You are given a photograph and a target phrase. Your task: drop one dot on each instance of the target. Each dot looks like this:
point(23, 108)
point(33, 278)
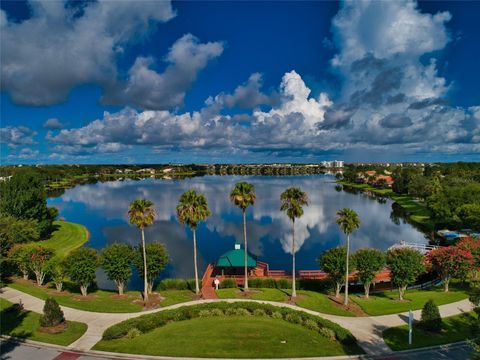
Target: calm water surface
point(102, 208)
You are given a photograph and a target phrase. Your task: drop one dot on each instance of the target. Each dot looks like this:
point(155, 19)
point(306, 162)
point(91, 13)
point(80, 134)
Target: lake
point(102, 208)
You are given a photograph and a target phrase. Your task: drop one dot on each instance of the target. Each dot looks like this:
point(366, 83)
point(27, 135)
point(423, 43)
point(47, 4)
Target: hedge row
point(146, 323)
point(302, 284)
point(176, 284)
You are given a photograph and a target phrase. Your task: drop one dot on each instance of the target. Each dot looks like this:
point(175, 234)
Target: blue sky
point(151, 81)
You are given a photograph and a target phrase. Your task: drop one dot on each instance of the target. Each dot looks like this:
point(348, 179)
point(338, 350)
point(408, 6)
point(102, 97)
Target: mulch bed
point(54, 329)
point(352, 307)
point(84, 298)
point(154, 300)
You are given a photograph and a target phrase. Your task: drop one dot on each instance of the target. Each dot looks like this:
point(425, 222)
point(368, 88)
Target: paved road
point(368, 330)
point(15, 351)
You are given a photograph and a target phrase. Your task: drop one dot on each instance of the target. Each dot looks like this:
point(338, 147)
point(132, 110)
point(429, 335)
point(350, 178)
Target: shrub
point(228, 284)
point(231, 311)
point(52, 314)
point(242, 312)
point(259, 312)
point(255, 283)
point(216, 312)
point(431, 319)
point(293, 318)
point(327, 333)
point(277, 315)
point(133, 333)
point(284, 284)
point(204, 313)
point(311, 324)
point(269, 283)
point(173, 284)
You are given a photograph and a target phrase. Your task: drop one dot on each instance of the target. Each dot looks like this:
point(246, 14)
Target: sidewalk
point(367, 330)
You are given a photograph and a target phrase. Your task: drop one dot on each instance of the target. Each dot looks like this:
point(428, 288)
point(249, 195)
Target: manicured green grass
point(25, 325)
point(387, 302)
point(228, 337)
point(98, 300)
point(455, 328)
point(417, 211)
point(68, 237)
point(176, 296)
point(307, 299)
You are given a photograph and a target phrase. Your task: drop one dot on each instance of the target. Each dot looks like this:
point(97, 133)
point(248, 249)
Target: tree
point(473, 246)
point(348, 221)
point(57, 270)
point(117, 260)
point(14, 231)
point(368, 262)
point(333, 262)
point(431, 319)
point(20, 255)
point(243, 195)
point(39, 257)
point(52, 314)
point(157, 260)
point(292, 200)
point(81, 266)
point(142, 213)
point(450, 261)
point(191, 209)
point(469, 215)
point(405, 264)
point(23, 197)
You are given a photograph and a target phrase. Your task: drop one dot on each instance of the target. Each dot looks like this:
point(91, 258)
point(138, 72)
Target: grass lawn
point(387, 302)
point(68, 237)
point(417, 212)
point(228, 337)
point(26, 324)
point(99, 300)
point(455, 328)
point(307, 299)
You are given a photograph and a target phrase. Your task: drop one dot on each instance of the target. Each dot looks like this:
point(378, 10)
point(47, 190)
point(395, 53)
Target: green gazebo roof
point(235, 258)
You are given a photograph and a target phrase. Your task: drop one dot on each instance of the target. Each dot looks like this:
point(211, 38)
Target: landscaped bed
point(387, 302)
point(100, 300)
point(238, 330)
point(25, 324)
point(454, 328)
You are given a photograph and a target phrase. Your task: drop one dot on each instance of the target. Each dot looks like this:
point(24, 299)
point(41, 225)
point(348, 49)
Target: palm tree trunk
point(145, 280)
point(197, 288)
point(345, 302)
point(294, 287)
point(245, 248)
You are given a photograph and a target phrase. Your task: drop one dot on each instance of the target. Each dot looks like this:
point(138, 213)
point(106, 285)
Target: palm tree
point(191, 209)
point(348, 221)
point(292, 201)
point(243, 195)
point(141, 213)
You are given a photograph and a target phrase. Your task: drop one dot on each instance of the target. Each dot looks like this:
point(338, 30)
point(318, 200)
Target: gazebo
point(233, 262)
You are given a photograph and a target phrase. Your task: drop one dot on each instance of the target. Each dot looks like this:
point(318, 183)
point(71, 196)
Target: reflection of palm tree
point(191, 209)
point(348, 221)
point(141, 213)
point(292, 201)
point(243, 195)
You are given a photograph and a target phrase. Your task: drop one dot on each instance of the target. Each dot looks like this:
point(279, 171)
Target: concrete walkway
point(367, 330)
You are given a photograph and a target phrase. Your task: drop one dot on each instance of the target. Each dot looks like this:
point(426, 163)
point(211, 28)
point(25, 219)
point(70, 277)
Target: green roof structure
point(235, 258)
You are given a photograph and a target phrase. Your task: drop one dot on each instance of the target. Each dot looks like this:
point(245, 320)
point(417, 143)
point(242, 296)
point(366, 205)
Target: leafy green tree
point(469, 215)
point(14, 231)
point(431, 319)
point(52, 314)
point(243, 195)
point(405, 265)
point(19, 254)
point(81, 266)
point(368, 262)
point(348, 221)
point(57, 270)
point(142, 213)
point(23, 197)
point(450, 262)
point(116, 260)
point(38, 264)
point(293, 199)
point(191, 209)
point(333, 262)
point(157, 260)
